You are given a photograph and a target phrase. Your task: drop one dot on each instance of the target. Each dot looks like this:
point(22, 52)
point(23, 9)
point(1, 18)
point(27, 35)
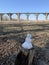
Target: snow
point(27, 44)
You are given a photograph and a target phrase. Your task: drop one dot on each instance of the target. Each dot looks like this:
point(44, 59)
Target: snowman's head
point(29, 36)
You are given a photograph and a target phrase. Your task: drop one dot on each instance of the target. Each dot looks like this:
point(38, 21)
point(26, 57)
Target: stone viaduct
point(19, 15)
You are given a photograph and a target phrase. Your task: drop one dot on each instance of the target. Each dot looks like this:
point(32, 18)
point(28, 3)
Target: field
point(13, 35)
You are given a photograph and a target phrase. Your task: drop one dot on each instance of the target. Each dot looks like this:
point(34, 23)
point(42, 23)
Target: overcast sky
point(24, 6)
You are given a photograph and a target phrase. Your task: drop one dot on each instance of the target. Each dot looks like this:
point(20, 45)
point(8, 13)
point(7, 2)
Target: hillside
point(13, 35)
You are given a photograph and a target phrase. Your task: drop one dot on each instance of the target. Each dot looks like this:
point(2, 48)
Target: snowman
point(27, 44)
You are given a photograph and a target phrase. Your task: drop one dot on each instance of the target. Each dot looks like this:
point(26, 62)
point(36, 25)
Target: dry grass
point(13, 34)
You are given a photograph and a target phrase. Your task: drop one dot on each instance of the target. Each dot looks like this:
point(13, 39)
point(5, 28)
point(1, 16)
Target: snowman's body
point(27, 44)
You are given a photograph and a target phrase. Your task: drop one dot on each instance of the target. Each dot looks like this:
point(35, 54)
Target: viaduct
point(19, 16)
